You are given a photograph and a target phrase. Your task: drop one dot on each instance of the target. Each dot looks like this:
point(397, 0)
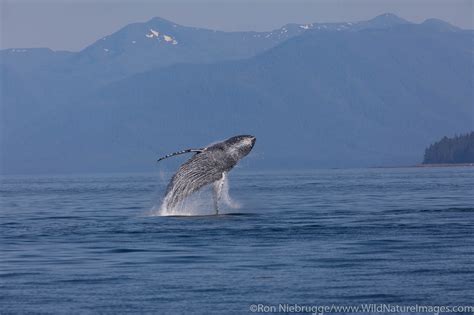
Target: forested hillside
point(459, 149)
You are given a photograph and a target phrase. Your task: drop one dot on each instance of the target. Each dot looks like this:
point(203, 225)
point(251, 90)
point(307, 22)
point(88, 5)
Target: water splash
point(198, 203)
point(225, 197)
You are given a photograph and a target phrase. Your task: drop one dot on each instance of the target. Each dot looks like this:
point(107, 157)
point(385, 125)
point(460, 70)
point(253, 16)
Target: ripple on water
point(86, 244)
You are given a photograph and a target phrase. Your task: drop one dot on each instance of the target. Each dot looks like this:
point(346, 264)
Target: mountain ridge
point(376, 95)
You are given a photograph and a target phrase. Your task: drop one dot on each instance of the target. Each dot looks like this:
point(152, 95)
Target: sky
point(74, 24)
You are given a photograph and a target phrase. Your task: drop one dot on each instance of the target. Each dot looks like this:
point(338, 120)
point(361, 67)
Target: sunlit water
point(82, 244)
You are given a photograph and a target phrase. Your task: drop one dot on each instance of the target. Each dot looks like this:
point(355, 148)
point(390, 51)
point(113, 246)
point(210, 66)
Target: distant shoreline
point(429, 165)
point(444, 165)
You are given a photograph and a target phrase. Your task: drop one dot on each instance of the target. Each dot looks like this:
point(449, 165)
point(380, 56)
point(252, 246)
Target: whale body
point(208, 165)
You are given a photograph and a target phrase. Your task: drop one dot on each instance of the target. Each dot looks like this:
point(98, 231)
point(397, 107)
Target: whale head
point(240, 146)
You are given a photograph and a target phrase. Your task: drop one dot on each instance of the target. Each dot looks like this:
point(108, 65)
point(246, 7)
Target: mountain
point(56, 77)
point(40, 86)
point(369, 93)
point(440, 25)
point(158, 42)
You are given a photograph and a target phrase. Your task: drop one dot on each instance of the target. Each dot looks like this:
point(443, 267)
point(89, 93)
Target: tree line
point(458, 149)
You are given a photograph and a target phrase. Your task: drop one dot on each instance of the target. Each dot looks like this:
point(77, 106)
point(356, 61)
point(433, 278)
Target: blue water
point(86, 244)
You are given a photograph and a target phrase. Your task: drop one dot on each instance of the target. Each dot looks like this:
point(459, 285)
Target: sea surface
point(88, 243)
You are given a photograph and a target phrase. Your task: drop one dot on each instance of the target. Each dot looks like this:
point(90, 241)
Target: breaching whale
point(209, 165)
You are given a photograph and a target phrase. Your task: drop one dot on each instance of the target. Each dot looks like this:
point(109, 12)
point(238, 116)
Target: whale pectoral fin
point(217, 191)
point(180, 152)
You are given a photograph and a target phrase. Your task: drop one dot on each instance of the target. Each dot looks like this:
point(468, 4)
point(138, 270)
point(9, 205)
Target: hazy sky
point(74, 24)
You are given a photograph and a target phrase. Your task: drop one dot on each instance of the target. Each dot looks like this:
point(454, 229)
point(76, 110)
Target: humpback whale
point(209, 165)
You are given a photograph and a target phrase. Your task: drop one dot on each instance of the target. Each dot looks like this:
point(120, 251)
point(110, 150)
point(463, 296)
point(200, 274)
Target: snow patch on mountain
point(170, 39)
point(153, 34)
point(156, 34)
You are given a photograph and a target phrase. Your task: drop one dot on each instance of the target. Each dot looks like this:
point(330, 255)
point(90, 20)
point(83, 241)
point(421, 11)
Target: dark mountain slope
point(323, 99)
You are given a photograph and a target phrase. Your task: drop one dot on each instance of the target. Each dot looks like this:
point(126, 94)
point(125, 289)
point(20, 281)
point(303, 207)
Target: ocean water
point(88, 244)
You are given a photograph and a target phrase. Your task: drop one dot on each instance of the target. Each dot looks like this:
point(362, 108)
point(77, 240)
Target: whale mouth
point(253, 139)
